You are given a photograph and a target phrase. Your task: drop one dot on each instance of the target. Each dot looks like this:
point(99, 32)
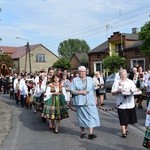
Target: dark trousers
point(22, 100)
point(16, 98)
point(6, 90)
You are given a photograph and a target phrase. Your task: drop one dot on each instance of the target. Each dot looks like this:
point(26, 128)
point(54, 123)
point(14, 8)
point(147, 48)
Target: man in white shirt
point(15, 87)
point(22, 88)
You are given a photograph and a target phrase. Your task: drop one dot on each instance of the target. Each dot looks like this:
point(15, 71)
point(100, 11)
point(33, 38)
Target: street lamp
point(27, 51)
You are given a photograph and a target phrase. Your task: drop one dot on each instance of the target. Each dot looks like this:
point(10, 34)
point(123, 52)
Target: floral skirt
point(55, 108)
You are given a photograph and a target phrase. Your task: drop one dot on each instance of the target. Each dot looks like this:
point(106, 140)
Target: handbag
point(146, 141)
point(102, 90)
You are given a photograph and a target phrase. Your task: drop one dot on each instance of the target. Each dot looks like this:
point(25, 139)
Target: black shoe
point(92, 136)
point(102, 104)
point(82, 135)
point(124, 135)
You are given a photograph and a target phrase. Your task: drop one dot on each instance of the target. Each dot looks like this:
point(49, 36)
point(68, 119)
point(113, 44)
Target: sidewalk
point(5, 119)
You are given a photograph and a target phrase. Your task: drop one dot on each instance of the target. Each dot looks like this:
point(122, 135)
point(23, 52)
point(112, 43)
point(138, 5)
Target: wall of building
point(95, 57)
point(75, 63)
point(131, 54)
point(37, 66)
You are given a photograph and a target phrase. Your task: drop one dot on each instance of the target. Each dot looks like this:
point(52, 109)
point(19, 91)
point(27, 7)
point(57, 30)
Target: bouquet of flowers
point(128, 91)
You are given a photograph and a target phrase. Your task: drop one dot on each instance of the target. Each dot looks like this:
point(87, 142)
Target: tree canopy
point(113, 63)
point(70, 46)
point(144, 35)
point(62, 63)
point(6, 59)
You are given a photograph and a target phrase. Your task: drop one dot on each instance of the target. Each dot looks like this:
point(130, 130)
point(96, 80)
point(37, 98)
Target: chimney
point(134, 30)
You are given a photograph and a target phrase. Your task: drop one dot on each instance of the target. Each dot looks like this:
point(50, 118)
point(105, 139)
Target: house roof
point(100, 48)
point(6, 49)
point(18, 52)
point(131, 36)
point(80, 56)
point(21, 51)
point(136, 44)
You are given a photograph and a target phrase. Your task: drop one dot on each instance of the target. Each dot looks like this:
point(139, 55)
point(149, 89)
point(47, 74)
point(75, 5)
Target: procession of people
point(49, 94)
point(52, 93)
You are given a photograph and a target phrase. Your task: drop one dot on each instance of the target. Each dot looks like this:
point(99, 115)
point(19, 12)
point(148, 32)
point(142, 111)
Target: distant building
point(126, 45)
point(78, 59)
point(33, 58)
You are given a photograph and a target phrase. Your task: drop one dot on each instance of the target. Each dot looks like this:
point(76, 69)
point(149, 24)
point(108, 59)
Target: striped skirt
point(146, 141)
point(55, 108)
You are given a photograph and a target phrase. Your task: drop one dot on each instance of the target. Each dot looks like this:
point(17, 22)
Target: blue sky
point(50, 22)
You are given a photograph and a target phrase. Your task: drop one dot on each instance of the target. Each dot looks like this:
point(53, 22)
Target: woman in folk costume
point(55, 108)
point(83, 89)
point(39, 93)
point(66, 84)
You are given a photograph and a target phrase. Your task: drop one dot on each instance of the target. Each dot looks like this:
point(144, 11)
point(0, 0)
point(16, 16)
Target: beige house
point(30, 58)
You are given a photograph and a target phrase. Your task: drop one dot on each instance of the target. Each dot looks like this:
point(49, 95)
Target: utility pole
point(27, 53)
point(28, 50)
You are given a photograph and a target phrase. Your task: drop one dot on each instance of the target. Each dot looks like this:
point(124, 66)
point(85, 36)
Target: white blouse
point(124, 102)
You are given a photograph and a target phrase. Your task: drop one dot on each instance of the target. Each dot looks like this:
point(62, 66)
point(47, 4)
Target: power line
point(96, 30)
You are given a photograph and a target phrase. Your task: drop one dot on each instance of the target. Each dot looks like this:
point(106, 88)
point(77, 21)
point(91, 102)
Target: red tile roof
point(17, 52)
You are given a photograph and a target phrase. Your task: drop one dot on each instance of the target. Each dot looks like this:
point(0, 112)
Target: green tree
point(62, 63)
point(70, 46)
point(113, 63)
point(144, 35)
point(7, 60)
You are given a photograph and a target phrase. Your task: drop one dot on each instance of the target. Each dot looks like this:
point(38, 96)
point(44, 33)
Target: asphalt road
point(28, 132)
point(5, 119)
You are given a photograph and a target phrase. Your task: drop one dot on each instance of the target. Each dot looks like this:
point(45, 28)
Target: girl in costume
point(55, 105)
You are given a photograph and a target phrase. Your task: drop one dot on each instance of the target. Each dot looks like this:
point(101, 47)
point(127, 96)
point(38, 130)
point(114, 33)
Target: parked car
point(109, 82)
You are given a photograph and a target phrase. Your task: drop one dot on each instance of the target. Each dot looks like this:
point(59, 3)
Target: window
point(119, 47)
point(98, 66)
point(40, 57)
point(140, 61)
